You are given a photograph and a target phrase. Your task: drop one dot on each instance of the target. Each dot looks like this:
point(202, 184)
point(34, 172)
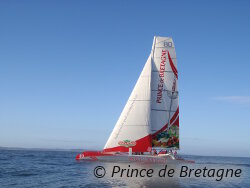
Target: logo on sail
point(127, 143)
point(161, 76)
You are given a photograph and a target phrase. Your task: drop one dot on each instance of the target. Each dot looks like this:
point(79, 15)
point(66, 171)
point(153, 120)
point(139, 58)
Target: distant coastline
point(40, 149)
point(80, 150)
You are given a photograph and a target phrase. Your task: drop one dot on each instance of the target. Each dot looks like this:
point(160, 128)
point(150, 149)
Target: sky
point(67, 69)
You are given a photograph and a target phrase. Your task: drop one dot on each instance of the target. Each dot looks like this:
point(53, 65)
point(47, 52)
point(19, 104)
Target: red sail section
point(142, 145)
point(168, 138)
point(172, 66)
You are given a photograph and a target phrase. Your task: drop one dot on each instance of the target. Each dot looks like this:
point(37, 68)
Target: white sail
point(164, 100)
point(151, 115)
point(133, 126)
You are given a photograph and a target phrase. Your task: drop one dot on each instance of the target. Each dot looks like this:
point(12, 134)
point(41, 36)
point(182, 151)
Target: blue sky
point(68, 67)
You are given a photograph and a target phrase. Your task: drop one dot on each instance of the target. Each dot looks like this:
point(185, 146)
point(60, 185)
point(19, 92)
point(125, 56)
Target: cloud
point(245, 100)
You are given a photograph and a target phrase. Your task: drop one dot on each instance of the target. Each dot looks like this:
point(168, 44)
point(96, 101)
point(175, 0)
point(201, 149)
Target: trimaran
point(150, 118)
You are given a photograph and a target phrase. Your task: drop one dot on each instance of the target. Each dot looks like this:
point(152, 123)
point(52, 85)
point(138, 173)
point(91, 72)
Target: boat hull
point(134, 159)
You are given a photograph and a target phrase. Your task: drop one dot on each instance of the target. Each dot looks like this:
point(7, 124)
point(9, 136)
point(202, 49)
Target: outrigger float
point(150, 118)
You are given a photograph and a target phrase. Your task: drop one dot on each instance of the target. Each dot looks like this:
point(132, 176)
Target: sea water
point(41, 168)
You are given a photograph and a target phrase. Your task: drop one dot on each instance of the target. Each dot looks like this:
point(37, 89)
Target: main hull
point(168, 159)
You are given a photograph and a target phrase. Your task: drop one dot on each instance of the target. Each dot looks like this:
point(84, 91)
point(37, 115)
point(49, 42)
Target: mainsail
point(150, 117)
point(164, 97)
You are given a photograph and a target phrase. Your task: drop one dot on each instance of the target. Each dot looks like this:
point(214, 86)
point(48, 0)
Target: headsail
point(133, 126)
point(165, 99)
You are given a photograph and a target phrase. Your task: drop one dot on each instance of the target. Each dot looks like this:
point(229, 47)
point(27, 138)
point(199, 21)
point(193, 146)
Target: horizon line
point(64, 149)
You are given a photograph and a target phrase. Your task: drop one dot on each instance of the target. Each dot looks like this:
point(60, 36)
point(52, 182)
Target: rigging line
point(169, 125)
point(172, 123)
point(169, 113)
